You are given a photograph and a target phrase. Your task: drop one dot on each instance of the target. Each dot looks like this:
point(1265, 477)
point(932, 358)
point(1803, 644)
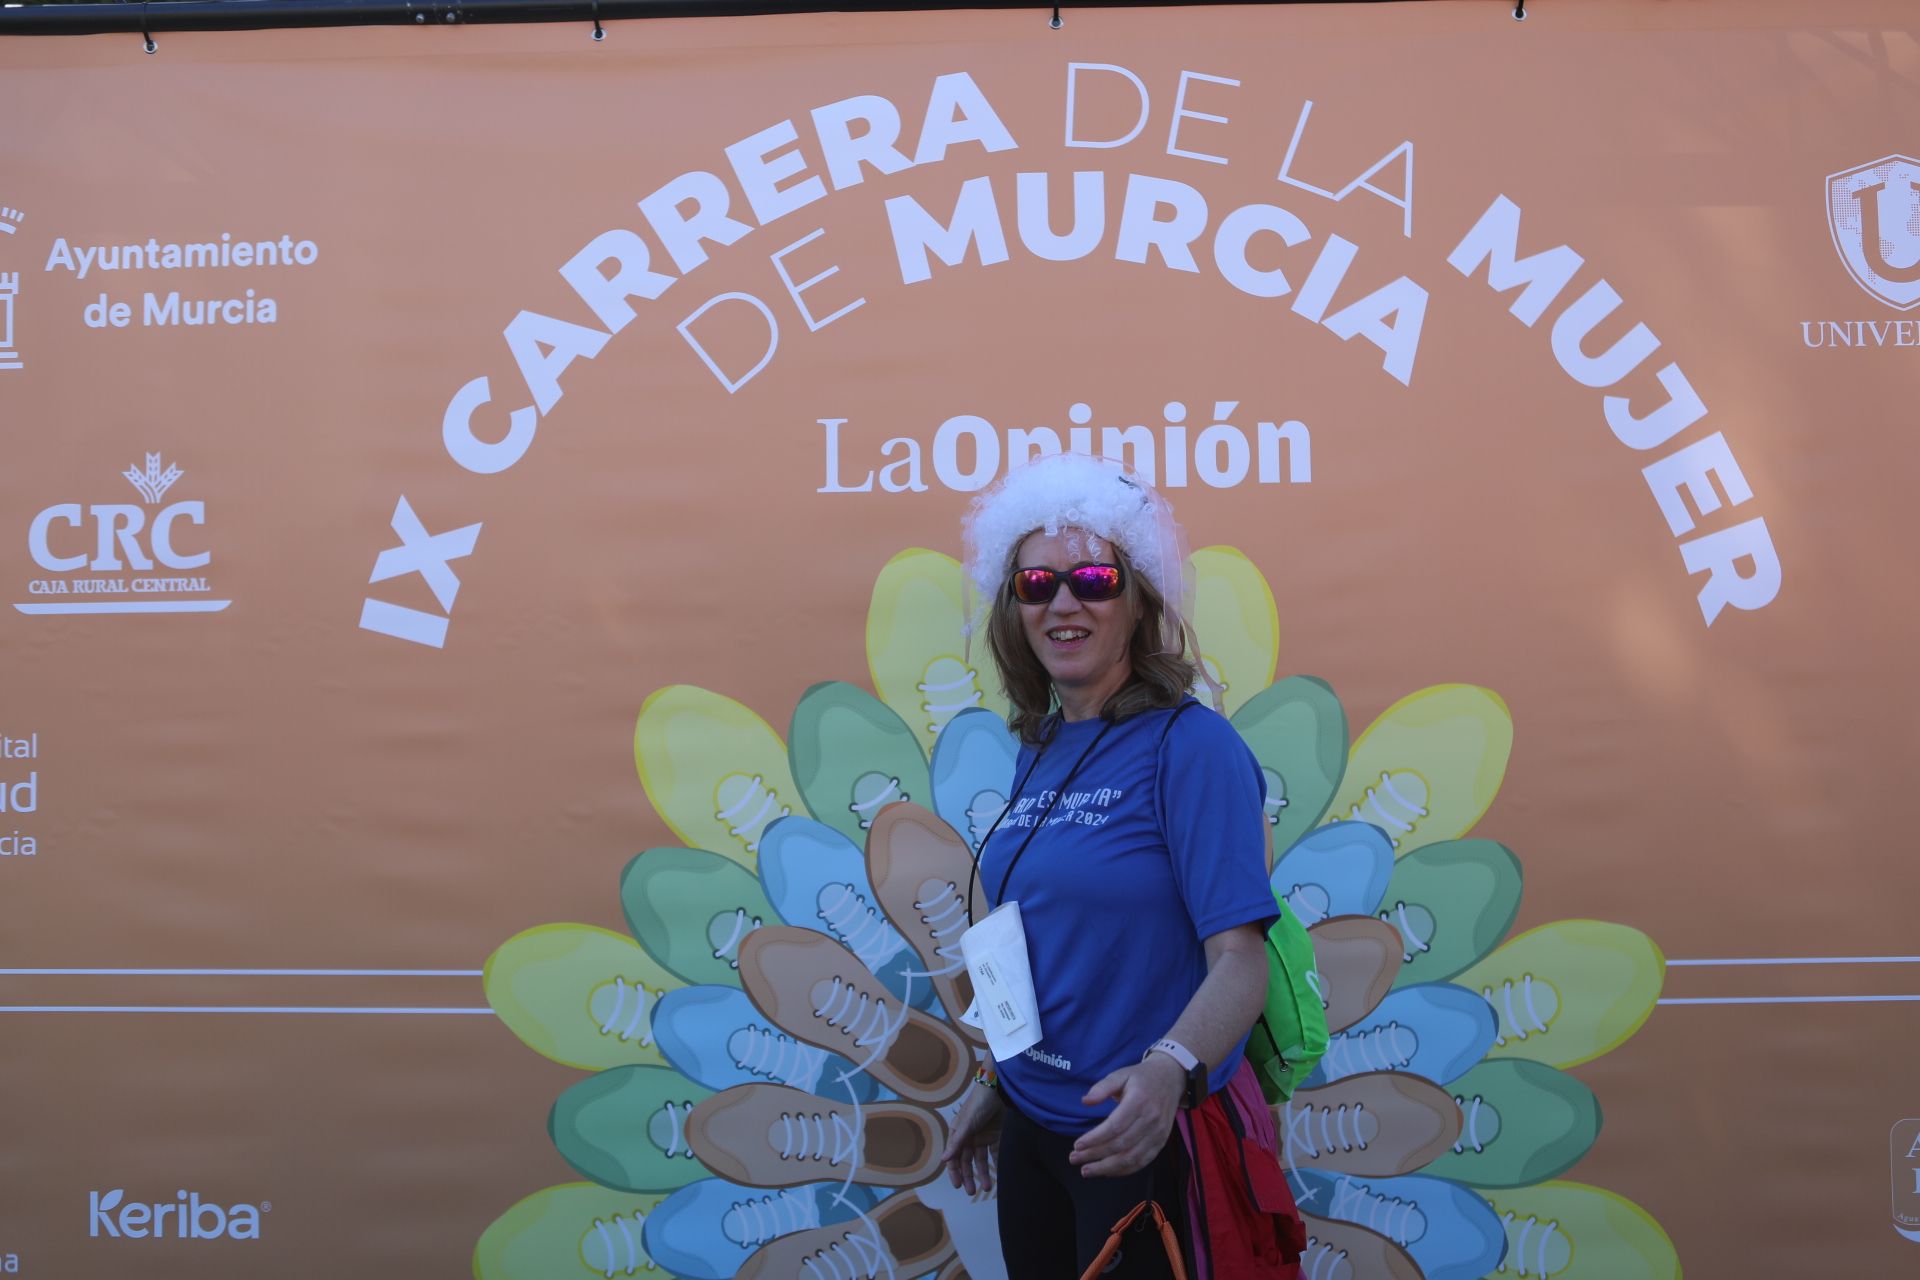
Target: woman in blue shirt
point(1135, 846)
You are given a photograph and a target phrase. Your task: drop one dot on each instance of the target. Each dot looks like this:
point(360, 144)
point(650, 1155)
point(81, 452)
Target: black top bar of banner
point(248, 15)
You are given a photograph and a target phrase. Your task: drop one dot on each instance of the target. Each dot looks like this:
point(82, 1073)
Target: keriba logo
point(186, 1217)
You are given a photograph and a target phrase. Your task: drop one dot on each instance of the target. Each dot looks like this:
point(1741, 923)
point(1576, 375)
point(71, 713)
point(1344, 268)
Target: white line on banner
point(247, 973)
point(1673, 964)
point(129, 606)
point(1787, 999)
point(220, 1008)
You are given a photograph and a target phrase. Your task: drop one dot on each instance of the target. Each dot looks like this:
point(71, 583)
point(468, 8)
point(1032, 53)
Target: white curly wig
point(1078, 491)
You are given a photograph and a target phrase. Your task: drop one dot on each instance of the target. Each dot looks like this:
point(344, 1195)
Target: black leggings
point(1053, 1221)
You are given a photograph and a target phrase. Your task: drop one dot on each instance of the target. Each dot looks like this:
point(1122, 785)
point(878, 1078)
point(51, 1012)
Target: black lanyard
point(1040, 822)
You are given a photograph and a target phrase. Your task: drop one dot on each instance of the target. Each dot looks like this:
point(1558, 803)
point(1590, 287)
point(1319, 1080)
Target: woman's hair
point(1158, 679)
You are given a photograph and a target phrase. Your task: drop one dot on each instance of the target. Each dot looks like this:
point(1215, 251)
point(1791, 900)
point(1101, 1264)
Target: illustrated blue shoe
point(706, 1230)
point(1341, 869)
point(689, 908)
point(817, 878)
point(1436, 1030)
point(716, 1038)
point(1448, 1230)
point(972, 770)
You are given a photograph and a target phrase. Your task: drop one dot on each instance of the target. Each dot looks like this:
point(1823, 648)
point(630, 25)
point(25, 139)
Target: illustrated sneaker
point(972, 772)
point(768, 1136)
point(1380, 1124)
point(708, 1230)
point(1298, 732)
point(1341, 869)
point(714, 770)
point(1521, 1123)
point(1436, 1030)
point(575, 1231)
point(1343, 1251)
point(580, 995)
point(627, 1128)
point(919, 866)
point(1233, 609)
point(817, 878)
point(1429, 766)
point(1448, 1231)
point(1571, 1231)
point(690, 908)
point(1569, 991)
point(852, 755)
point(815, 989)
point(715, 1037)
point(1357, 958)
point(902, 1237)
point(1452, 903)
point(914, 622)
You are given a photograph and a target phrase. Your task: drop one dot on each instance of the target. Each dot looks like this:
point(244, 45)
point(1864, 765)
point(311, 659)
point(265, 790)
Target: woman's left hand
point(1148, 1095)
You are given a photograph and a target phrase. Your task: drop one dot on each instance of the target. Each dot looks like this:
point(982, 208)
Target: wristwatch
point(1196, 1092)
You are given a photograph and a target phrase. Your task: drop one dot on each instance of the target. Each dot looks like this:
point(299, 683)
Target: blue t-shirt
point(1151, 849)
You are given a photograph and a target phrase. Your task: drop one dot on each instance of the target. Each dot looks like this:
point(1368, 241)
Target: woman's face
point(1081, 643)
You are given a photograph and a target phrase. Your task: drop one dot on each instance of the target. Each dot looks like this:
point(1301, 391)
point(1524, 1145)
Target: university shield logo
point(1874, 213)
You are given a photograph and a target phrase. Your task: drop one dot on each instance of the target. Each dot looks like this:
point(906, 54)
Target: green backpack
point(1291, 1034)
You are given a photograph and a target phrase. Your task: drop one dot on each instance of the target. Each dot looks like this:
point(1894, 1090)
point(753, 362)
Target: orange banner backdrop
point(478, 516)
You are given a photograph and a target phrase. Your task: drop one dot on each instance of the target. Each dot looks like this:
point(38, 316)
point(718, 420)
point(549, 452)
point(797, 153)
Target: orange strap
point(1112, 1246)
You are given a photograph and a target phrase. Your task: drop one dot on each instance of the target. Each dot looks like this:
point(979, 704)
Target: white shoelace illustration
point(756, 796)
point(1322, 1261)
point(1412, 941)
point(944, 912)
point(1385, 1048)
point(625, 1007)
point(751, 1223)
point(773, 1056)
point(1371, 809)
point(1399, 1220)
point(1510, 1017)
point(674, 1141)
point(1338, 1128)
point(853, 1012)
point(853, 920)
point(1470, 1124)
point(947, 697)
point(612, 1248)
point(725, 931)
point(1535, 1235)
point(816, 1135)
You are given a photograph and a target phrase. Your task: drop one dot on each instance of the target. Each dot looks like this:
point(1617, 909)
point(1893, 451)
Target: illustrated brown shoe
point(818, 991)
point(1343, 1251)
point(919, 868)
point(767, 1135)
point(1358, 958)
point(900, 1237)
point(1379, 1124)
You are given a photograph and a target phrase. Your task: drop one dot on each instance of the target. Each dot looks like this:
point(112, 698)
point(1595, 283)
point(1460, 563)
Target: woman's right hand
point(971, 1141)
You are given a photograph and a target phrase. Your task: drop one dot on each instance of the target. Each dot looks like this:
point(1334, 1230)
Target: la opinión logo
point(186, 1217)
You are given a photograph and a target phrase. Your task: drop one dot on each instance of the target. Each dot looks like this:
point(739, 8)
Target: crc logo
point(122, 557)
point(186, 1217)
point(118, 528)
point(1873, 212)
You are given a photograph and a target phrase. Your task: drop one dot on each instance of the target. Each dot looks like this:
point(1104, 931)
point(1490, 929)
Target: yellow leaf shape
point(914, 645)
point(1236, 623)
point(715, 771)
point(1429, 766)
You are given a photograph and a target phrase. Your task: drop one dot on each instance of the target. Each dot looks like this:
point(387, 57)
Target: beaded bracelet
point(986, 1076)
